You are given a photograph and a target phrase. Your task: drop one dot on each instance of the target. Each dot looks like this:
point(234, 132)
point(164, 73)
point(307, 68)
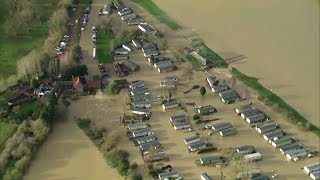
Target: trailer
point(196, 146)
point(257, 118)
point(282, 141)
point(250, 113)
point(267, 127)
point(312, 168)
point(167, 175)
point(178, 118)
point(296, 154)
point(290, 147)
point(205, 176)
point(191, 140)
point(156, 157)
point(135, 126)
point(253, 157)
point(142, 132)
point(221, 126)
point(128, 17)
point(228, 131)
point(244, 108)
point(147, 146)
point(276, 133)
point(182, 125)
point(145, 139)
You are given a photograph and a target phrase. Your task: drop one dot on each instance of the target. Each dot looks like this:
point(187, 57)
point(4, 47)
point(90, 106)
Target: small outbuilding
point(170, 104)
point(196, 146)
point(192, 139)
point(178, 118)
point(246, 149)
point(205, 110)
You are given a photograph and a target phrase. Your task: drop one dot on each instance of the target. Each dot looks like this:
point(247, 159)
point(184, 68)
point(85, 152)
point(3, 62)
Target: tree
point(76, 53)
point(203, 91)
point(34, 82)
point(152, 59)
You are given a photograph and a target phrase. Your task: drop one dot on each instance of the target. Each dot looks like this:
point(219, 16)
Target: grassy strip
point(275, 101)
point(103, 47)
point(211, 56)
point(194, 62)
point(153, 9)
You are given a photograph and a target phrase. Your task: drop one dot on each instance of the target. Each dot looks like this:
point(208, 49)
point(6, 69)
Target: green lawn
point(153, 9)
point(103, 47)
point(14, 49)
point(275, 101)
point(194, 62)
point(6, 131)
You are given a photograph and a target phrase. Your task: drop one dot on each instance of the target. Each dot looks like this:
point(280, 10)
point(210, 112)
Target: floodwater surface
point(280, 40)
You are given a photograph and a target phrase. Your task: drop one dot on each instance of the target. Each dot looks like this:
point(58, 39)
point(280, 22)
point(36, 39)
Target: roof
point(141, 131)
point(206, 109)
point(121, 50)
point(210, 159)
point(220, 126)
point(133, 125)
point(250, 113)
point(141, 110)
point(197, 144)
point(78, 80)
point(205, 176)
point(168, 68)
point(130, 64)
point(192, 138)
point(168, 174)
point(150, 144)
point(178, 117)
point(245, 148)
point(244, 108)
point(210, 80)
point(181, 124)
point(171, 102)
point(146, 138)
point(120, 57)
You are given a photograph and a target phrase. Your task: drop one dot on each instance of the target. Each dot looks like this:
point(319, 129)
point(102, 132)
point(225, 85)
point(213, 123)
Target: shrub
point(203, 91)
point(215, 83)
point(207, 149)
point(198, 121)
point(196, 117)
point(136, 177)
point(119, 160)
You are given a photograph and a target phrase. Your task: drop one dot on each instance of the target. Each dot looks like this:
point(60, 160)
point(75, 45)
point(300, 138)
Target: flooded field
point(69, 154)
point(280, 40)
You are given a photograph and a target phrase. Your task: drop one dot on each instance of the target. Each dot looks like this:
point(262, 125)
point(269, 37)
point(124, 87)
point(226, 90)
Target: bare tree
point(240, 166)
point(29, 64)
point(187, 73)
point(104, 24)
point(232, 82)
point(58, 19)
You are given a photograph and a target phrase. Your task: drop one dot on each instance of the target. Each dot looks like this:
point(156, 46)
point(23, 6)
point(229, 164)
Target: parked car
point(63, 44)
point(94, 29)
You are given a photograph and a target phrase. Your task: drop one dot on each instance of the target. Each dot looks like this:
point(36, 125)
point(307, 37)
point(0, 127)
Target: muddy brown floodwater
point(279, 38)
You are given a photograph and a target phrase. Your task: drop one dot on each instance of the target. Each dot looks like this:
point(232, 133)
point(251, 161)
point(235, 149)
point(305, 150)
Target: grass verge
point(103, 47)
point(275, 101)
point(153, 9)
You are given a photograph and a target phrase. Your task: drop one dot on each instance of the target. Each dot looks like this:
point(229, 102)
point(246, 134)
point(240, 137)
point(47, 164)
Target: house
point(106, 9)
point(246, 149)
point(205, 176)
point(196, 146)
point(257, 118)
point(181, 125)
point(281, 141)
point(205, 110)
point(131, 66)
point(87, 82)
point(170, 104)
point(156, 157)
point(136, 85)
point(141, 112)
point(221, 126)
point(139, 91)
point(167, 68)
point(121, 51)
point(290, 147)
point(211, 160)
point(136, 21)
point(149, 47)
point(158, 58)
point(192, 139)
point(244, 108)
point(135, 126)
point(315, 175)
point(136, 43)
point(228, 131)
point(145, 139)
point(142, 104)
point(211, 80)
point(127, 47)
point(297, 154)
point(250, 113)
point(270, 135)
point(252, 157)
point(178, 118)
point(125, 11)
point(167, 175)
point(142, 132)
point(120, 57)
point(146, 28)
point(153, 144)
point(267, 127)
point(201, 59)
point(128, 17)
point(219, 88)
point(312, 168)
point(150, 53)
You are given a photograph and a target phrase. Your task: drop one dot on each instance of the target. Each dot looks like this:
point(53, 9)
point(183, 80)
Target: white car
point(94, 29)
point(94, 38)
point(63, 44)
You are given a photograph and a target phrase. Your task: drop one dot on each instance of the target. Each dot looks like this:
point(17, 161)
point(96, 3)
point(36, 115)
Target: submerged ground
point(279, 38)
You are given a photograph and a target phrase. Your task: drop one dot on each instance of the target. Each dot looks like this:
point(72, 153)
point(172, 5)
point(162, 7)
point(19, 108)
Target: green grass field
point(103, 47)
point(194, 62)
point(275, 101)
point(6, 131)
point(14, 49)
point(153, 9)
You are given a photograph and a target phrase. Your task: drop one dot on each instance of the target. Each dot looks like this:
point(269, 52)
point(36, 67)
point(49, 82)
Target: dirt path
point(279, 38)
